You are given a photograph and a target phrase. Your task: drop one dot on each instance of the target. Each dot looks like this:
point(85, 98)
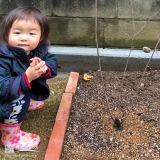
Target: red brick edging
point(55, 144)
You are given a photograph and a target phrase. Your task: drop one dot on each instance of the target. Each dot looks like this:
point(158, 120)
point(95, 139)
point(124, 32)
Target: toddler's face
point(25, 34)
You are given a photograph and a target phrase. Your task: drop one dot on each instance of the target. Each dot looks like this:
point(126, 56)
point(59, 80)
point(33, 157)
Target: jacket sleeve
point(51, 62)
point(39, 88)
point(10, 85)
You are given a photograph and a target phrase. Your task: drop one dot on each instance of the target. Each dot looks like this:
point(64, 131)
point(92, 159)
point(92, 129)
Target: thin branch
point(125, 70)
point(135, 34)
point(133, 16)
point(147, 22)
point(96, 39)
point(125, 32)
point(147, 65)
point(132, 42)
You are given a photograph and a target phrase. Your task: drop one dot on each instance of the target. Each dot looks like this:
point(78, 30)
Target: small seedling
point(118, 124)
point(149, 68)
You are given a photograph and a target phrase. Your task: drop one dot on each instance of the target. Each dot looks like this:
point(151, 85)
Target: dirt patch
point(92, 133)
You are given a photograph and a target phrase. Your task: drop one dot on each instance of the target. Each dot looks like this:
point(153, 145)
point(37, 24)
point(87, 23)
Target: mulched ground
point(115, 121)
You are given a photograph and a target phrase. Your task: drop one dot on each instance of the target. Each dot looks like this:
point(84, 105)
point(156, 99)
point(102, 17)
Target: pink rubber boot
point(35, 105)
point(13, 137)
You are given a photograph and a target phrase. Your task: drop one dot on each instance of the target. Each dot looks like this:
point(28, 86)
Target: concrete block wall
point(73, 21)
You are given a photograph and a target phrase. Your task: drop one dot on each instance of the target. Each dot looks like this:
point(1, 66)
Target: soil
point(114, 119)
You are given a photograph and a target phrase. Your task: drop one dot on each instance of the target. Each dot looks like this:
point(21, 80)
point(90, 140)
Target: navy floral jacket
point(13, 81)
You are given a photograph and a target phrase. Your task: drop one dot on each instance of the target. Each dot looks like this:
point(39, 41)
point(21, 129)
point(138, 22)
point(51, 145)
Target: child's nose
point(23, 37)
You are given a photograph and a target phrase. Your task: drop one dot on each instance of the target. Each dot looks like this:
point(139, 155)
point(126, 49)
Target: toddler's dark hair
point(25, 13)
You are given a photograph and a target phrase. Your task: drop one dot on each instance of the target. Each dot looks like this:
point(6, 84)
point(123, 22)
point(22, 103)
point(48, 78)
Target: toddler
point(25, 65)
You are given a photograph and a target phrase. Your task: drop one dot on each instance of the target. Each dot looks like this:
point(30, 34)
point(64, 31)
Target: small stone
point(146, 49)
point(52, 92)
point(142, 85)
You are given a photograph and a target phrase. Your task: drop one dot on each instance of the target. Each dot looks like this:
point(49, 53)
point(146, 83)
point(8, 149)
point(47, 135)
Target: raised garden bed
point(91, 133)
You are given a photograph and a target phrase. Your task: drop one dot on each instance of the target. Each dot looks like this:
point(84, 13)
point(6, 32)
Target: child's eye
point(32, 34)
point(16, 32)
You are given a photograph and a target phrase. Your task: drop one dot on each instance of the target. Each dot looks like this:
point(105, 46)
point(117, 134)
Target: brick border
point(55, 144)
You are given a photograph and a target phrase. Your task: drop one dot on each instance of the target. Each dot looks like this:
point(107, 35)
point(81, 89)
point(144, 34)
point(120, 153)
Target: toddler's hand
point(38, 62)
point(32, 73)
point(36, 69)
point(34, 61)
point(41, 67)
